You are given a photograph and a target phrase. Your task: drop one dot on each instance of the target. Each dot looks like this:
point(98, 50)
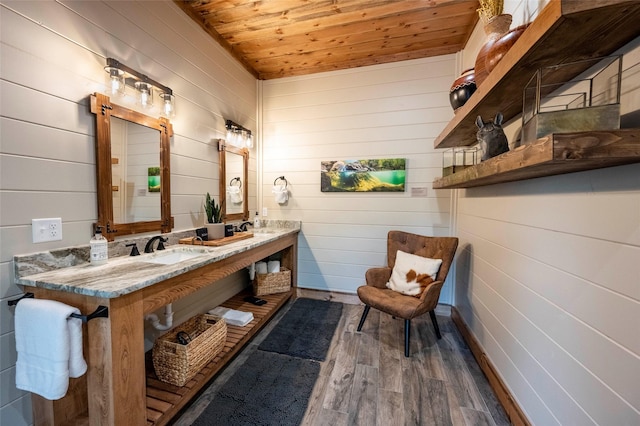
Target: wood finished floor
point(366, 380)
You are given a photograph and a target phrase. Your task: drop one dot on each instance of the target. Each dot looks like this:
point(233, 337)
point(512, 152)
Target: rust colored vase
point(501, 46)
point(462, 89)
point(494, 29)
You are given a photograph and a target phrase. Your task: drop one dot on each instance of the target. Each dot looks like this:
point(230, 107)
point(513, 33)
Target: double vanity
point(120, 387)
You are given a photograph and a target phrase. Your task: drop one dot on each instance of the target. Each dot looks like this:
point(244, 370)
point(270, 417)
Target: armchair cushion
point(411, 273)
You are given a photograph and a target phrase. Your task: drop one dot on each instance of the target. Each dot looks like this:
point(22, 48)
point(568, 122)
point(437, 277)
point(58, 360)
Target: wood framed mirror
point(132, 170)
point(234, 169)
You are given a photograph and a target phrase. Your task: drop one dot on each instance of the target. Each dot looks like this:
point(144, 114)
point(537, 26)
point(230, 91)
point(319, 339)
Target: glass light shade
point(168, 105)
point(249, 141)
point(145, 94)
point(115, 81)
point(235, 138)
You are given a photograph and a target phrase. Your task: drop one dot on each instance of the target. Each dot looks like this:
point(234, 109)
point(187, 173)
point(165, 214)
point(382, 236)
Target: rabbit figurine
point(491, 137)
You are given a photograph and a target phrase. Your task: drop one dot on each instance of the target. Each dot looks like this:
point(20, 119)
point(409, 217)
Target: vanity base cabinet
point(118, 388)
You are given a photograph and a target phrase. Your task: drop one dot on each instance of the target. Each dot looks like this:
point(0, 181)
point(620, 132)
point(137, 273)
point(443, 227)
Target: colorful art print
point(379, 175)
point(154, 179)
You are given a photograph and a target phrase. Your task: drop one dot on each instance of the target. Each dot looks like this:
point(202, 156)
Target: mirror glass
point(233, 182)
point(132, 169)
point(135, 172)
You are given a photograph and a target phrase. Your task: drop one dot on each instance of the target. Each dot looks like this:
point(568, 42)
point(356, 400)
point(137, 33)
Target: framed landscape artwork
point(379, 175)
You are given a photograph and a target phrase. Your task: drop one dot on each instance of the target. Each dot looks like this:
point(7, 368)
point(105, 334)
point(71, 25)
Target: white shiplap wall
point(548, 280)
point(52, 55)
point(385, 111)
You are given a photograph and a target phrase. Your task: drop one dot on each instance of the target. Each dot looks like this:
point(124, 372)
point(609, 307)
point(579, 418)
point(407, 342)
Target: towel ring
point(281, 178)
point(236, 179)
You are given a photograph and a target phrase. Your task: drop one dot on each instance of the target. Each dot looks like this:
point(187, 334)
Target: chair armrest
point(430, 296)
point(378, 277)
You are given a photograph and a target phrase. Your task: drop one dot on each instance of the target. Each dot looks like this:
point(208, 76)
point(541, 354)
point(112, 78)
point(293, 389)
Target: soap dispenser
point(256, 221)
point(99, 248)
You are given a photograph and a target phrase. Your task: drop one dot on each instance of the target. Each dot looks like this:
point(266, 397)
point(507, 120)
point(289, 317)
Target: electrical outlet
point(44, 230)
point(264, 211)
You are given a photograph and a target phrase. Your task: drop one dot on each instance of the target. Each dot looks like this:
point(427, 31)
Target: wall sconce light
point(121, 76)
point(238, 135)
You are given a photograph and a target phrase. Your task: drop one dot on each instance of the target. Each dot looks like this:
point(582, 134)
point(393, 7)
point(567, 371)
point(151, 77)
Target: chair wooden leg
point(407, 328)
point(432, 314)
point(364, 316)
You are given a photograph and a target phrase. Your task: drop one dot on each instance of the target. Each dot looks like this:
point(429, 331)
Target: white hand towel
point(234, 194)
point(281, 193)
point(49, 346)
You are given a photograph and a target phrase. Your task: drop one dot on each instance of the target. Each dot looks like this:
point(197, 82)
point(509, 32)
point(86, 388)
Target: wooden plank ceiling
point(281, 38)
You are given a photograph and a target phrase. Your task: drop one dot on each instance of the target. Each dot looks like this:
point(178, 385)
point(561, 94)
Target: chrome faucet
point(161, 240)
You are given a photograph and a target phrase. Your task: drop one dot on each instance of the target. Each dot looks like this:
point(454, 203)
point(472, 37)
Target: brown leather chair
point(376, 294)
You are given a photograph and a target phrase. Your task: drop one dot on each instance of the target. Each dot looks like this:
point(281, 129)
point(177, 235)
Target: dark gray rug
point(274, 385)
point(268, 389)
point(306, 330)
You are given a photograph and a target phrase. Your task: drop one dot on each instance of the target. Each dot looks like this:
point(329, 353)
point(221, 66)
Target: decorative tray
point(215, 243)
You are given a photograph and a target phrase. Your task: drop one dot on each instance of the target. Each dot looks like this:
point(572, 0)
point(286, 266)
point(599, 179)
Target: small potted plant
point(214, 225)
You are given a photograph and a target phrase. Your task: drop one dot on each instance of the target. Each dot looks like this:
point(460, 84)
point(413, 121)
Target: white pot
point(215, 231)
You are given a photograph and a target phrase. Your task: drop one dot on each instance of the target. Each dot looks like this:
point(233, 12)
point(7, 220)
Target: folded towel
point(49, 346)
point(273, 266)
point(231, 316)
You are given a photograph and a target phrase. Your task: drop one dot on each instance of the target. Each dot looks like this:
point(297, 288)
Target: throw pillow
point(411, 273)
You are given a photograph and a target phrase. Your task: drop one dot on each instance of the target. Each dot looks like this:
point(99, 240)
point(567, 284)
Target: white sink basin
point(173, 256)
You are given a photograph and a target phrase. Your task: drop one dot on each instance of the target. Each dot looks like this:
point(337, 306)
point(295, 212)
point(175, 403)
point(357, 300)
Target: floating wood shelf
point(564, 31)
point(552, 155)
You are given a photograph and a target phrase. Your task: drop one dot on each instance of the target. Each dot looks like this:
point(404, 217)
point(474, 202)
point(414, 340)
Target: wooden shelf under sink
point(164, 400)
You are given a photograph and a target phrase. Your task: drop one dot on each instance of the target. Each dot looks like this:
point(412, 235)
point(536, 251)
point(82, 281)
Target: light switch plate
point(265, 211)
point(44, 230)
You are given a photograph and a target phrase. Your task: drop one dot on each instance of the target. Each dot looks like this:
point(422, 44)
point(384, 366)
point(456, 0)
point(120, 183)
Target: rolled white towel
point(273, 266)
point(261, 268)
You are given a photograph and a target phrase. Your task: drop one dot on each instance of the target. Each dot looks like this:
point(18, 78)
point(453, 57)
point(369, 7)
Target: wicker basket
point(176, 363)
point(277, 282)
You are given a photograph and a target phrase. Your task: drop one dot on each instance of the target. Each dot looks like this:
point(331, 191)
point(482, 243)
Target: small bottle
point(256, 221)
point(99, 248)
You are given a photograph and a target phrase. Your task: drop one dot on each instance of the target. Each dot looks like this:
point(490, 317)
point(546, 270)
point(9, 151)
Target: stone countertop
point(126, 274)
